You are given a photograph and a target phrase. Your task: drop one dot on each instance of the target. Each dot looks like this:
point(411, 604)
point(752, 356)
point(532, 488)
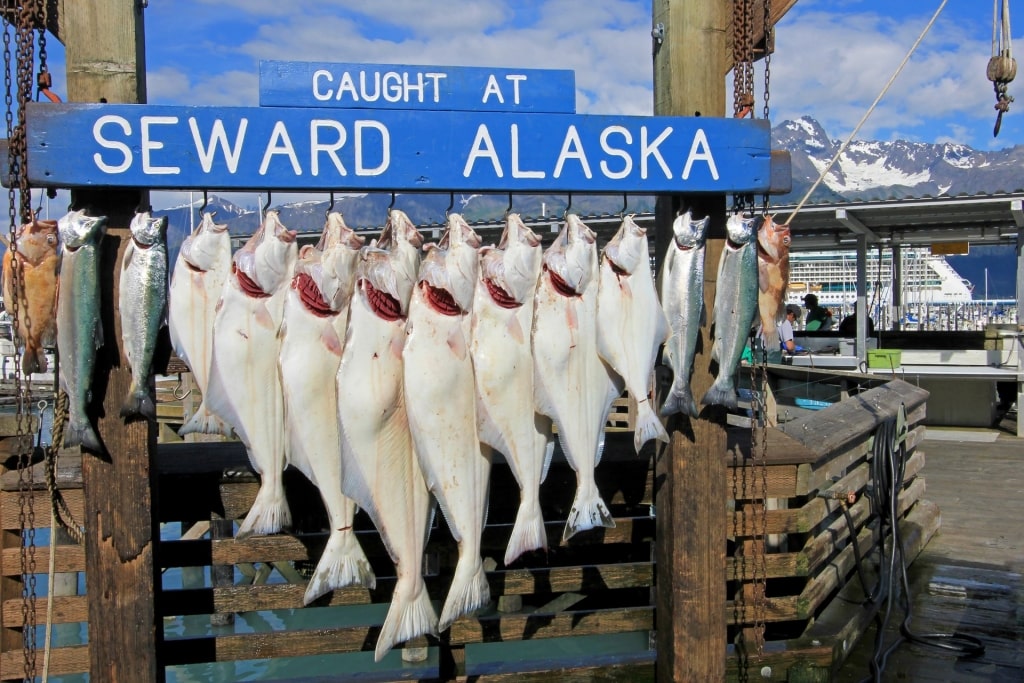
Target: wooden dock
point(968, 578)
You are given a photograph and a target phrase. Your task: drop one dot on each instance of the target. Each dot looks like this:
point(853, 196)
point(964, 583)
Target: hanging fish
point(380, 470)
point(244, 386)
point(37, 258)
point(142, 302)
point(315, 319)
point(202, 266)
point(79, 330)
point(631, 326)
point(772, 277)
point(502, 350)
point(574, 387)
point(682, 298)
point(735, 308)
point(441, 398)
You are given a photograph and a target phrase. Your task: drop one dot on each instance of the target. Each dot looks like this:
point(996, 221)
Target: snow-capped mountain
point(881, 170)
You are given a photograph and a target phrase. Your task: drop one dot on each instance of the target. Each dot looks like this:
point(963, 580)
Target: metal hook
point(392, 204)
point(568, 206)
point(266, 206)
point(451, 203)
point(509, 209)
point(330, 206)
point(206, 202)
point(625, 203)
point(174, 392)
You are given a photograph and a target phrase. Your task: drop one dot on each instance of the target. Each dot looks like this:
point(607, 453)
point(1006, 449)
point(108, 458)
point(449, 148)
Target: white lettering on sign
point(651, 149)
point(572, 148)
point(385, 148)
point(516, 171)
point(616, 152)
point(492, 88)
point(218, 137)
point(483, 148)
point(392, 86)
point(280, 143)
point(125, 150)
point(316, 147)
point(149, 145)
point(700, 150)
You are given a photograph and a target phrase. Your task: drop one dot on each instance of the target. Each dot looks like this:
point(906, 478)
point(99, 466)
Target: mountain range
point(867, 170)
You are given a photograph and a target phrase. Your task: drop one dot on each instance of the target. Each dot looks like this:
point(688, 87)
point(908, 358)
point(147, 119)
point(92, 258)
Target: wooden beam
point(690, 494)
point(105, 59)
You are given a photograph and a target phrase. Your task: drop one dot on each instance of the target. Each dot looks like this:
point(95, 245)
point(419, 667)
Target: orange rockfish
point(37, 292)
point(772, 277)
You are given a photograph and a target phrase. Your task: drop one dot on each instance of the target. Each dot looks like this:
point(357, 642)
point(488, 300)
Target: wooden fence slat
point(66, 610)
point(73, 659)
point(531, 626)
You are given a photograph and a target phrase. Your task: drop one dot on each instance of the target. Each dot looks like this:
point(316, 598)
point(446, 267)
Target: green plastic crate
point(884, 359)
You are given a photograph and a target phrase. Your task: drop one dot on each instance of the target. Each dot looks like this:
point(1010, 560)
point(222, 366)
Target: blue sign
point(397, 86)
point(252, 148)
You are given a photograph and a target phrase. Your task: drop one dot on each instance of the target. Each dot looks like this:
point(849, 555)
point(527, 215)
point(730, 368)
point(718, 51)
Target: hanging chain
point(769, 45)
point(742, 58)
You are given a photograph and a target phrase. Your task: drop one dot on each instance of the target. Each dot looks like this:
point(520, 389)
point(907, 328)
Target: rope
point(59, 507)
point(864, 118)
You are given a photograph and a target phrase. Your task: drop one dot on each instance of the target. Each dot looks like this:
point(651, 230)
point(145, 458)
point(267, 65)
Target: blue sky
point(832, 56)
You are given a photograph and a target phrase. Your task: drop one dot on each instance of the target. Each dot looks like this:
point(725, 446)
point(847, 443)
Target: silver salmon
point(315, 319)
point(441, 398)
point(682, 298)
point(79, 330)
point(573, 386)
point(202, 266)
point(380, 469)
point(735, 307)
point(502, 350)
point(631, 325)
point(245, 387)
point(142, 301)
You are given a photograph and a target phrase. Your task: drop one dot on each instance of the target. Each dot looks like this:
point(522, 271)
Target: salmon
point(36, 297)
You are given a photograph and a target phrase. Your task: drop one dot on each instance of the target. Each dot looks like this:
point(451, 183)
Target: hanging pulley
point(1002, 67)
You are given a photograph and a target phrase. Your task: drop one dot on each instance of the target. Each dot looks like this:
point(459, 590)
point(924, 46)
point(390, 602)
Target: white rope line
point(864, 118)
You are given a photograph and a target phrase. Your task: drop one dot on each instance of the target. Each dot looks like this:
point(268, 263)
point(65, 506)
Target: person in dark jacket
point(818, 318)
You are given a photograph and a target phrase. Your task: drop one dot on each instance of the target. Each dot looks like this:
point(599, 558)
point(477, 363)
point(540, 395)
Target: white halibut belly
point(192, 308)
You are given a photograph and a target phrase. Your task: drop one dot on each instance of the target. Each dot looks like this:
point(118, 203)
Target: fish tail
point(680, 400)
point(588, 512)
point(343, 563)
point(528, 531)
point(81, 433)
point(648, 426)
point(469, 591)
point(269, 513)
point(205, 422)
point(139, 402)
point(721, 393)
point(406, 619)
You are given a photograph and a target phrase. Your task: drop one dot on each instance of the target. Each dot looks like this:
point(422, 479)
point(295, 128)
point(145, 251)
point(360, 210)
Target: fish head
point(147, 229)
point(739, 230)
point(385, 279)
point(77, 229)
point(458, 265)
point(628, 249)
point(688, 232)
point(337, 267)
point(208, 245)
point(571, 258)
point(37, 241)
point(268, 258)
point(773, 240)
point(511, 270)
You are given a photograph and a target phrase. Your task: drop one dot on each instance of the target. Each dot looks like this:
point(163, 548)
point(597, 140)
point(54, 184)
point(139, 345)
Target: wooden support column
point(1019, 341)
point(104, 41)
point(689, 80)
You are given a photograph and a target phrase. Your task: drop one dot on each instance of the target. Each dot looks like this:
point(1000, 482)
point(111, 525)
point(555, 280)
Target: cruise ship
point(927, 279)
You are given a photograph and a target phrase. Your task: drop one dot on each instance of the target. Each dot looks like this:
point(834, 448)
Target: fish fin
point(406, 619)
point(527, 532)
point(600, 445)
point(648, 426)
point(205, 422)
point(469, 591)
point(138, 402)
point(269, 513)
point(703, 315)
point(680, 400)
point(81, 433)
point(343, 563)
point(549, 454)
point(721, 394)
point(587, 513)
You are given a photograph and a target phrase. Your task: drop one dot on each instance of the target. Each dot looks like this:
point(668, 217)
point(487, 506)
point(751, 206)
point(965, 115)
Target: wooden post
point(104, 41)
point(689, 80)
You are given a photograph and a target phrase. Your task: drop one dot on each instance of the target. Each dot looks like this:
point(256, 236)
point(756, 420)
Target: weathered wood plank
point(9, 507)
point(782, 479)
point(531, 626)
point(296, 643)
point(69, 609)
point(63, 660)
point(612, 673)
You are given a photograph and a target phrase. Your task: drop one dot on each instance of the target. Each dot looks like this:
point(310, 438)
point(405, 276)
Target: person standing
point(786, 344)
point(818, 318)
